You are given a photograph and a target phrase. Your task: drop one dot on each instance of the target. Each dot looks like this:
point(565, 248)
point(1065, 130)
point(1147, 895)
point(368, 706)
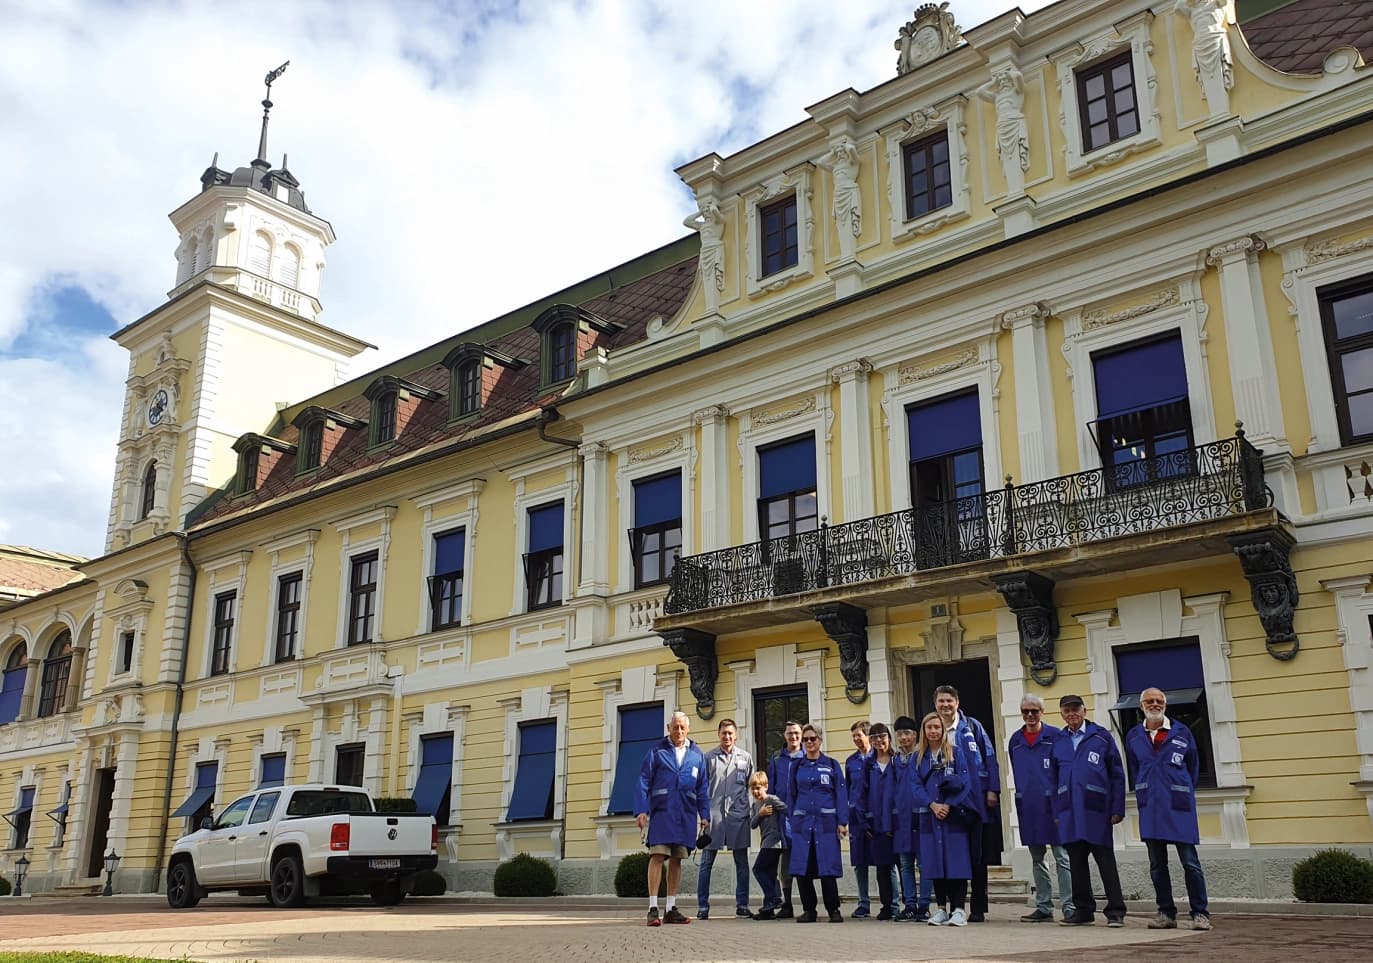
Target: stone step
point(79, 889)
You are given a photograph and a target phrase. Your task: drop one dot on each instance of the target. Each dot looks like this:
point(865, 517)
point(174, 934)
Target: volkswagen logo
point(392, 833)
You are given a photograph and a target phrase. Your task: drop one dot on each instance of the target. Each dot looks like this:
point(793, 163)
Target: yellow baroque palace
point(943, 386)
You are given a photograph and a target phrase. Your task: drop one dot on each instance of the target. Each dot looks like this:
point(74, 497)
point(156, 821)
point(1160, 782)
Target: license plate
point(383, 864)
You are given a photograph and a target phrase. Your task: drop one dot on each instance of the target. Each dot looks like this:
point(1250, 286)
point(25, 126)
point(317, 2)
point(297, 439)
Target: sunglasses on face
point(810, 738)
point(1030, 712)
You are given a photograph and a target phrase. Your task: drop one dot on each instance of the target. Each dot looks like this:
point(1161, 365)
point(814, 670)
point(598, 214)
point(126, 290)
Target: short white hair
point(1030, 699)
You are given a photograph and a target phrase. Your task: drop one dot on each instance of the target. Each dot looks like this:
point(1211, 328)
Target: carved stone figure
point(710, 223)
point(847, 625)
point(696, 650)
point(1272, 587)
point(1031, 597)
point(930, 33)
point(1210, 48)
point(848, 199)
point(1007, 91)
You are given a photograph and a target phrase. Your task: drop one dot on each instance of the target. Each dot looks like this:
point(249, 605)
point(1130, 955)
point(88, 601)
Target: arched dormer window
point(257, 454)
point(310, 455)
point(16, 670)
point(470, 376)
point(260, 254)
point(394, 401)
point(57, 669)
point(148, 498)
point(319, 428)
point(564, 330)
point(288, 266)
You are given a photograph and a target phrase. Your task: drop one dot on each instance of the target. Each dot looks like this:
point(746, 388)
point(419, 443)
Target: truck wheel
point(183, 892)
point(288, 882)
point(388, 893)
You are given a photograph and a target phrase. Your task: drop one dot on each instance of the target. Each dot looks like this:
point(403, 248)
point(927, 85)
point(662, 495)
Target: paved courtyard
point(227, 929)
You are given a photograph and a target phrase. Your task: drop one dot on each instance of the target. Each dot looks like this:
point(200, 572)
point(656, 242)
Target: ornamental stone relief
point(655, 449)
point(782, 412)
point(909, 374)
point(1167, 298)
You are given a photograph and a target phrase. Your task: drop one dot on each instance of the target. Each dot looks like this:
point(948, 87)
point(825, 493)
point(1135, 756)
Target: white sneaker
point(959, 918)
point(939, 918)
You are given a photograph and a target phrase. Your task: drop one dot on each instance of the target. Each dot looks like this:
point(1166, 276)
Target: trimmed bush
point(4, 886)
point(1333, 876)
point(395, 804)
point(631, 877)
point(525, 876)
point(428, 883)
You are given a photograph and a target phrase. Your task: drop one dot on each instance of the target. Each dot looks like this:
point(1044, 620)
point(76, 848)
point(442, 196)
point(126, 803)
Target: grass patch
point(74, 957)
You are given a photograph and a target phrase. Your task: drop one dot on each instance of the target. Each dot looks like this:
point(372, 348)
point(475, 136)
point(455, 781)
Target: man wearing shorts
point(673, 804)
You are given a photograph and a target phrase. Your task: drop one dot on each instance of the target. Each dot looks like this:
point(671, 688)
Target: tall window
point(288, 616)
point(384, 418)
point(778, 237)
point(656, 538)
point(946, 478)
point(260, 254)
point(350, 764)
point(1144, 420)
point(288, 270)
point(223, 638)
point(543, 564)
point(311, 451)
point(59, 815)
point(362, 598)
point(125, 656)
point(12, 683)
point(641, 728)
point(773, 707)
point(57, 667)
point(562, 352)
point(273, 770)
point(433, 792)
point(1175, 667)
point(248, 462)
point(149, 498)
point(1106, 102)
point(532, 796)
point(470, 387)
point(445, 585)
point(200, 802)
point(787, 503)
point(1347, 316)
point(21, 819)
point(929, 183)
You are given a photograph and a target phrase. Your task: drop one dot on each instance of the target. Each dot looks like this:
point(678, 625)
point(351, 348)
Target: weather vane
point(266, 108)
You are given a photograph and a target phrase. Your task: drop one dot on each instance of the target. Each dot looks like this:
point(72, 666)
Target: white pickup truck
point(294, 842)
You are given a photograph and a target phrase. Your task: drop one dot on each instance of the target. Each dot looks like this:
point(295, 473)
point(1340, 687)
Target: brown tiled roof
point(1297, 37)
point(25, 571)
point(515, 393)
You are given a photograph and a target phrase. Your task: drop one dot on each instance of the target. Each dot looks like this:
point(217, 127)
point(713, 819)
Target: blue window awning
point(786, 467)
point(532, 797)
point(60, 810)
point(641, 728)
point(658, 500)
point(1139, 376)
point(436, 774)
point(449, 551)
point(1166, 667)
point(546, 527)
point(206, 776)
point(273, 771)
point(944, 426)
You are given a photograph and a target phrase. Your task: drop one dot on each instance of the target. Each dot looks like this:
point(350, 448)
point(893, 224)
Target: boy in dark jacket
point(766, 817)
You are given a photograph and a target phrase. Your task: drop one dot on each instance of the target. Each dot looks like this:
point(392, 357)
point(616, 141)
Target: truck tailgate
point(389, 834)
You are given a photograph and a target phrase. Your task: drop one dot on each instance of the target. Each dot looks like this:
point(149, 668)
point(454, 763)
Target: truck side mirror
point(207, 823)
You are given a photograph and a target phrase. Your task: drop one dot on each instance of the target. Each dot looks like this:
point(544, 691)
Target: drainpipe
point(176, 710)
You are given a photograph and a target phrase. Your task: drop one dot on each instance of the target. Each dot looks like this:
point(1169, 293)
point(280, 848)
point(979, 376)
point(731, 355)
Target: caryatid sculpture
point(710, 224)
point(1210, 49)
point(848, 199)
point(1007, 91)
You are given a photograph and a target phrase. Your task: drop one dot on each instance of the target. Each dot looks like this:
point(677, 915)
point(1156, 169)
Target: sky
point(437, 137)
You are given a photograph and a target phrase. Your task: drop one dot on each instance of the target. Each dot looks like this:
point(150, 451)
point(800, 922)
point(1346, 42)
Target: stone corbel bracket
point(1031, 597)
point(847, 625)
point(1272, 587)
point(696, 650)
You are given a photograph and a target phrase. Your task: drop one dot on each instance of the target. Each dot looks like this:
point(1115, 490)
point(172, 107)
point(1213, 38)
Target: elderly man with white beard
point(1166, 766)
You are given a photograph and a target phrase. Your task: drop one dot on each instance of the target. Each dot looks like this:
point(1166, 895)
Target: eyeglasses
point(1030, 712)
point(810, 738)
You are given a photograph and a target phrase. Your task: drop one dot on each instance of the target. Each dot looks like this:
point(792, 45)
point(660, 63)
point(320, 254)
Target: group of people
point(924, 797)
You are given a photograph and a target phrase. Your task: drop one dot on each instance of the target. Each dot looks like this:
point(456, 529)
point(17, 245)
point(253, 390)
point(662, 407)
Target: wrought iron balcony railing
point(1203, 483)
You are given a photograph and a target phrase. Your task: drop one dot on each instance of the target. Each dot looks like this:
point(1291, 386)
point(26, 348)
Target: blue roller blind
point(1140, 377)
point(449, 551)
point(1169, 668)
point(641, 728)
point(273, 771)
point(658, 500)
point(436, 775)
point(532, 797)
point(787, 467)
point(546, 527)
point(11, 693)
point(944, 426)
point(206, 775)
point(25, 802)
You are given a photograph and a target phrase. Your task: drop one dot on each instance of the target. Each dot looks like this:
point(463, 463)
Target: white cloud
point(472, 157)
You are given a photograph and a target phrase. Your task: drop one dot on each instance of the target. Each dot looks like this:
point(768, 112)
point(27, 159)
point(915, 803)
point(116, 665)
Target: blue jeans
point(860, 874)
point(906, 863)
point(1191, 872)
point(1044, 890)
point(765, 871)
point(740, 878)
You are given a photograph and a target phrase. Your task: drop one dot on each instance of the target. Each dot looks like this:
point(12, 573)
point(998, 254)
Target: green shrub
point(4, 886)
point(631, 877)
point(395, 804)
point(525, 876)
point(1333, 876)
point(428, 883)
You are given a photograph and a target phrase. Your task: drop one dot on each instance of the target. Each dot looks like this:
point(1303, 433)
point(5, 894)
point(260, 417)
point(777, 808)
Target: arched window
point(260, 255)
point(469, 387)
point(288, 266)
point(205, 252)
point(12, 683)
point(57, 669)
point(149, 491)
point(185, 260)
point(562, 352)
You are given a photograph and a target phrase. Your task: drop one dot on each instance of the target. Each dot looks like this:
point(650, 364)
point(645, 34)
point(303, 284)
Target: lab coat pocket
point(1182, 798)
point(1142, 794)
point(1094, 798)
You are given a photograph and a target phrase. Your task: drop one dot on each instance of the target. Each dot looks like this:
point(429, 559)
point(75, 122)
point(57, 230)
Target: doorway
point(100, 825)
point(971, 677)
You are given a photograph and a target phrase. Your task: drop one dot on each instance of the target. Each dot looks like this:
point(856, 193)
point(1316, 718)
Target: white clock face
point(157, 409)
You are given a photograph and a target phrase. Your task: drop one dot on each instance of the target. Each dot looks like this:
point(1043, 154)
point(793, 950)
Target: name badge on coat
point(1177, 758)
point(1094, 758)
point(695, 772)
point(824, 779)
point(1047, 760)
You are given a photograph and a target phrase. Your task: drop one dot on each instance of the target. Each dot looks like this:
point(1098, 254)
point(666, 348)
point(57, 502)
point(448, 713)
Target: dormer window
point(562, 352)
point(394, 401)
point(473, 372)
point(567, 332)
point(469, 388)
point(384, 418)
point(248, 463)
point(311, 447)
point(256, 456)
point(321, 431)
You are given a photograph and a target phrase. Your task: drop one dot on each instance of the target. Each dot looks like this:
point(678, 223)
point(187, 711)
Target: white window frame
point(436, 523)
point(439, 719)
point(227, 573)
point(949, 116)
point(769, 423)
point(351, 549)
point(650, 464)
point(526, 499)
point(1132, 34)
point(305, 566)
point(272, 742)
point(796, 181)
point(633, 687)
point(532, 705)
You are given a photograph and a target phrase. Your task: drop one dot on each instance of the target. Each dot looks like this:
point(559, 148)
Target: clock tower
point(238, 336)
